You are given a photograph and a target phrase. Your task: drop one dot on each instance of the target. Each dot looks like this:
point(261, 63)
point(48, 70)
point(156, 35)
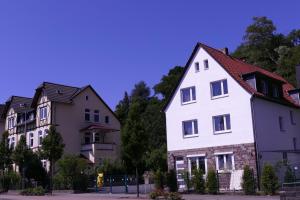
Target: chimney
point(225, 51)
point(298, 75)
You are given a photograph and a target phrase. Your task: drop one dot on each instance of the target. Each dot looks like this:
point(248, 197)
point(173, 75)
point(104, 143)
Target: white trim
point(223, 153)
point(196, 155)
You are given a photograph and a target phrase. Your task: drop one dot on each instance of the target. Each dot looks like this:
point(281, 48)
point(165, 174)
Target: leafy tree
point(269, 180)
point(159, 178)
point(109, 167)
point(52, 149)
point(5, 152)
point(212, 182)
point(169, 82)
point(198, 181)
point(122, 109)
point(248, 183)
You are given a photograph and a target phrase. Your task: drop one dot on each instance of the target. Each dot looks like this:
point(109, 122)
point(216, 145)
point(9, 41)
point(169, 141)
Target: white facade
point(236, 103)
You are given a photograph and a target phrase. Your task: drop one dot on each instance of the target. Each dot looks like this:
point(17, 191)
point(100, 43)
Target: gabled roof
point(19, 104)
point(237, 68)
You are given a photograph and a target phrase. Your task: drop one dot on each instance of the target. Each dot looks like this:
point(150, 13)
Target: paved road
point(93, 196)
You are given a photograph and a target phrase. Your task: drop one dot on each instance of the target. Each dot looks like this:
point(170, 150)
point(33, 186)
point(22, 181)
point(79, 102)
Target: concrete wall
point(237, 104)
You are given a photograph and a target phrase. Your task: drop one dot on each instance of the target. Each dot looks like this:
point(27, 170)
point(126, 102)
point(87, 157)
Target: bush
point(198, 181)
point(159, 180)
point(9, 180)
point(156, 193)
point(187, 181)
point(174, 196)
point(38, 191)
point(212, 182)
point(160, 194)
point(248, 183)
point(269, 180)
point(172, 181)
point(289, 176)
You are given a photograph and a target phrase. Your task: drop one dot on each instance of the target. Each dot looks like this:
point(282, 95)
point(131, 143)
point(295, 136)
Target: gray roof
point(19, 104)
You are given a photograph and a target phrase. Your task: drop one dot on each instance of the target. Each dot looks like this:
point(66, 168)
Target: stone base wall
point(244, 154)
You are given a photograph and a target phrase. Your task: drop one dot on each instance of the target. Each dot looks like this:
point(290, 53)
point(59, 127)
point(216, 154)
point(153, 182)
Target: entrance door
point(180, 172)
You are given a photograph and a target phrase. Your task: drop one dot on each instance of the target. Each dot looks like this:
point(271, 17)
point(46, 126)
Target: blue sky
point(113, 44)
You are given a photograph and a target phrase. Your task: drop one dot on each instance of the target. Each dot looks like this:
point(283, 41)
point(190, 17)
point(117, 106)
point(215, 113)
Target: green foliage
point(198, 181)
point(172, 181)
point(248, 183)
point(5, 153)
point(21, 153)
point(72, 172)
point(159, 178)
point(161, 194)
point(187, 181)
point(289, 176)
point(122, 109)
point(109, 167)
point(212, 182)
point(37, 191)
point(269, 50)
point(9, 180)
point(269, 180)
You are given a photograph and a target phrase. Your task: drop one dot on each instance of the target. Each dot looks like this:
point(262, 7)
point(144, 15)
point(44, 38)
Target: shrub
point(159, 179)
point(160, 194)
point(80, 183)
point(157, 193)
point(248, 183)
point(187, 181)
point(212, 182)
point(198, 181)
point(289, 176)
point(9, 180)
point(38, 191)
point(174, 196)
point(172, 181)
point(269, 180)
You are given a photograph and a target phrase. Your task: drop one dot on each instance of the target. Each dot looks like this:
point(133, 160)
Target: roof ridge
point(46, 82)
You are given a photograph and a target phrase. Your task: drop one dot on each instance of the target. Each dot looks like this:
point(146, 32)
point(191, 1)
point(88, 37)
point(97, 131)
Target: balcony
point(97, 147)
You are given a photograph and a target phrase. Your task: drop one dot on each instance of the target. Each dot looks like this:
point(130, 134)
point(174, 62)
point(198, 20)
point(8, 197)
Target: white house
point(225, 114)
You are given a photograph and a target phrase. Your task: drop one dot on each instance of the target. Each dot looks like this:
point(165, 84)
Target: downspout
point(255, 143)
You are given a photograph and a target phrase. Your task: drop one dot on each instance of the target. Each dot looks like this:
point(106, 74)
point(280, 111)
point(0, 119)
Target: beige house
point(88, 126)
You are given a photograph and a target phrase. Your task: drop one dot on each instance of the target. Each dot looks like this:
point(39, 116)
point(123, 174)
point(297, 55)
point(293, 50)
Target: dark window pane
point(221, 162)
point(186, 95)
point(96, 118)
point(228, 123)
point(195, 127)
point(87, 117)
point(188, 128)
point(216, 88)
point(228, 161)
point(202, 164)
point(205, 64)
point(219, 123)
point(225, 87)
point(193, 93)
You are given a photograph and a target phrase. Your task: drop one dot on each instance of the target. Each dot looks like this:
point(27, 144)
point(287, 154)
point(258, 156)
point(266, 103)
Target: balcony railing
point(97, 147)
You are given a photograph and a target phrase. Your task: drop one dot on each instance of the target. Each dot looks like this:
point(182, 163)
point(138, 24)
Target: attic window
point(197, 67)
point(205, 63)
point(59, 92)
point(86, 97)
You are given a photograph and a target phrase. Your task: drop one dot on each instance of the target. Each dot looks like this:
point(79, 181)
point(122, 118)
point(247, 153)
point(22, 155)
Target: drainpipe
point(255, 143)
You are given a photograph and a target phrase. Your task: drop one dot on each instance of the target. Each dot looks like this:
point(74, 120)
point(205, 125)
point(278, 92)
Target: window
point(31, 140)
point(44, 162)
point(11, 122)
point(190, 128)
point(107, 119)
point(197, 162)
point(205, 63)
point(264, 87)
point(284, 157)
point(46, 132)
point(197, 67)
point(188, 95)
point(224, 162)
point(292, 118)
point(96, 116)
point(43, 113)
point(281, 123)
point(40, 138)
point(295, 143)
point(87, 115)
point(275, 91)
point(221, 123)
point(12, 144)
point(87, 138)
point(97, 138)
point(86, 97)
point(219, 88)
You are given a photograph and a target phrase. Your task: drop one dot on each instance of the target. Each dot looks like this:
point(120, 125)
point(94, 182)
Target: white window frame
point(40, 139)
point(197, 67)
point(206, 64)
point(225, 161)
point(43, 113)
point(193, 128)
point(11, 123)
point(31, 140)
point(191, 95)
point(197, 162)
point(12, 141)
point(222, 89)
point(226, 130)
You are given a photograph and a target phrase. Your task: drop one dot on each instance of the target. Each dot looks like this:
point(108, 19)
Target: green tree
point(248, 183)
point(269, 180)
point(5, 152)
point(52, 149)
point(212, 182)
point(198, 181)
point(122, 109)
point(289, 176)
point(172, 181)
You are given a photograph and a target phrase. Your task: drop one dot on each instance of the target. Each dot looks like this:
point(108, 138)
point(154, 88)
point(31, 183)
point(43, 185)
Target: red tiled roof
point(236, 68)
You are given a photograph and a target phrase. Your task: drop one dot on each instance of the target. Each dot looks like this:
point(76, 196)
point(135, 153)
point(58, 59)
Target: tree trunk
point(137, 182)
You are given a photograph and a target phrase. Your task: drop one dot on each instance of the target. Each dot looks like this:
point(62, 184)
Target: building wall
point(70, 120)
point(237, 104)
point(269, 137)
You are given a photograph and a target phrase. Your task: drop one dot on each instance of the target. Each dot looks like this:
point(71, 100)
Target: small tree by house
point(289, 175)
point(248, 183)
point(172, 181)
point(198, 181)
point(212, 182)
point(52, 149)
point(5, 153)
point(159, 180)
point(269, 180)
